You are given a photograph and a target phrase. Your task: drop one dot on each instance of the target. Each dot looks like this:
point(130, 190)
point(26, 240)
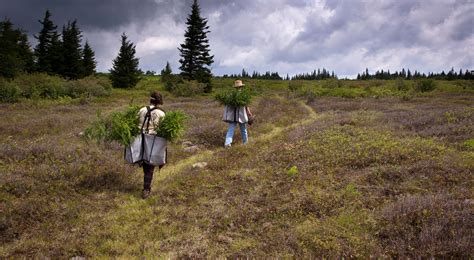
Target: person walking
point(150, 116)
point(236, 116)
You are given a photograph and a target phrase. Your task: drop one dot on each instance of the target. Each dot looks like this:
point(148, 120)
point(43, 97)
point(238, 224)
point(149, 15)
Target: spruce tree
point(195, 53)
point(88, 60)
point(43, 62)
point(55, 54)
point(167, 70)
point(25, 54)
point(15, 53)
point(125, 72)
point(72, 52)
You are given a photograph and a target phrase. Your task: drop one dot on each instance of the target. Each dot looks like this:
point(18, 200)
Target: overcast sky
point(288, 36)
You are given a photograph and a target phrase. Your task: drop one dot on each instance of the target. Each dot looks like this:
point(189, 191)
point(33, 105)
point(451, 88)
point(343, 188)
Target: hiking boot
point(146, 194)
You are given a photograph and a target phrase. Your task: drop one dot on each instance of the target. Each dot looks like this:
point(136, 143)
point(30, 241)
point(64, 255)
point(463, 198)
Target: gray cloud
point(288, 36)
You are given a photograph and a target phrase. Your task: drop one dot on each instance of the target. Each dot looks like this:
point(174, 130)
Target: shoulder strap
point(146, 120)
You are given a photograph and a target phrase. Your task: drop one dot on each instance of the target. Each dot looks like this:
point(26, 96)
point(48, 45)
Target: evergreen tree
point(167, 70)
point(72, 52)
point(15, 53)
point(45, 36)
point(195, 58)
point(166, 76)
point(55, 54)
point(25, 53)
point(125, 72)
point(88, 60)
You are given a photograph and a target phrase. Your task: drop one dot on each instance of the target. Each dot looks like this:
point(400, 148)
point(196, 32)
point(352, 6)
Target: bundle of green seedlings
point(123, 127)
point(172, 126)
point(234, 97)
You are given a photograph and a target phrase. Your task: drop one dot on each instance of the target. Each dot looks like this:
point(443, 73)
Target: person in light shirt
point(148, 127)
point(236, 116)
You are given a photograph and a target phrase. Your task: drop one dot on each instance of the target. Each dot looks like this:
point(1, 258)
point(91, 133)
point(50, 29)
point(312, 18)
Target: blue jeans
point(230, 133)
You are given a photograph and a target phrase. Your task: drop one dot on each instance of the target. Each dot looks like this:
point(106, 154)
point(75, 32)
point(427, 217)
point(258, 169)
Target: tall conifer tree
point(55, 54)
point(72, 52)
point(88, 60)
point(15, 52)
point(195, 53)
point(125, 72)
point(43, 62)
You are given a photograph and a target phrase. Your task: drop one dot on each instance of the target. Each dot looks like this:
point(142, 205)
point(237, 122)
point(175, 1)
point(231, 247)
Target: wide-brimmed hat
point(238, 84)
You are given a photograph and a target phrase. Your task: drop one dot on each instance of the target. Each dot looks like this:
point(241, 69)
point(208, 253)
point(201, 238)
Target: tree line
point(316, 75)
point(255, 75)
point(408, 75)
point(55, 54)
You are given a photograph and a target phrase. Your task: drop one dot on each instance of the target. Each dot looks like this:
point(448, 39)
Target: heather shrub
point(427, 226)
point(186, 88)
point(40, 85)
point(425, 85)
point(332, 83)
point(295, 85)
point(8, 91)
point(89, 86)
point(469, 144)
point(402, 85)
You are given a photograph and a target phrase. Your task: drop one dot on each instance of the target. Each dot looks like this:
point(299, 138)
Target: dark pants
point(148, 175)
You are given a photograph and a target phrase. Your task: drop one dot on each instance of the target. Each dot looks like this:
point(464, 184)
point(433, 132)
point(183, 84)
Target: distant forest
point(450, 75)
point(321, 74)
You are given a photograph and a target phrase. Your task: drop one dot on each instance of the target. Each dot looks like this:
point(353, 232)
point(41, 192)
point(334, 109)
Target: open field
point(333, 168)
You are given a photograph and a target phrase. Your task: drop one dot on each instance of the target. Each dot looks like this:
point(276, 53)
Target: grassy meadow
point(332, 169)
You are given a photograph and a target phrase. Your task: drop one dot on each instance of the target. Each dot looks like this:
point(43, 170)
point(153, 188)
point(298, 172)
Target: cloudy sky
point(288, 36)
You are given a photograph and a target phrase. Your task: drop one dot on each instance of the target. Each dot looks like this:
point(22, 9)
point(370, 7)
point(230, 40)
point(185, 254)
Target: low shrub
point(422, 226)
point(332, 83)
point(234, 97)
point(187, 88)
point(402, 85)
point(8, 92)
point(469, 144)
point(89, 86)
point(425, 85)
point(295, 85)
point(40, 85)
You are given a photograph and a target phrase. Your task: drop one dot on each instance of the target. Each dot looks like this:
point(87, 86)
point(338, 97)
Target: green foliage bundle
point(172, 126)
point(118, 126)
point(124, 126)
point(235, 97)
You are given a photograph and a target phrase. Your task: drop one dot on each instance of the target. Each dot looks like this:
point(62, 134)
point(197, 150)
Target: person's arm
point(248, 111)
